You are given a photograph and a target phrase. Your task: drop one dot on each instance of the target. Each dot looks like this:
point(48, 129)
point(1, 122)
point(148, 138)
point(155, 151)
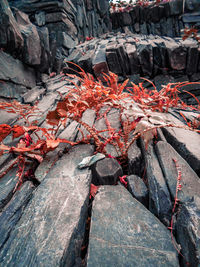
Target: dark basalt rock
point(15, 71)
point(11, 38)
point(187, 231)
point(180, 139)
point(106, 172)
point(14, 210)
point(32, 46)
point(133, 58)
point(189, 180)
point(177, 55)
point(54, 221)
point(138, 189)
point(135, 161)
point(145, 55)
point(132, 237)
point(159, 196)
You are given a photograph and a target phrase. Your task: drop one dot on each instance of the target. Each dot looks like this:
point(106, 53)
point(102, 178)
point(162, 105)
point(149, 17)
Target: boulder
point(132, 237)
point(106, 172)
point(53, 223)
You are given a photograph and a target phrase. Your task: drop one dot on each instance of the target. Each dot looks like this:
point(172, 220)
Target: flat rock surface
point(124, 233)
point(189, 180)
point(185, 142)
point(54, 222)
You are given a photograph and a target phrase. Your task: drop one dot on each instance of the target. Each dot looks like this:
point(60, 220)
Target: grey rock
point(45, 49)
point(132, 236)
point(112, 59)
point(54, 221)
point(138, 189)
point(187, 231)
point(32, 47)
point(106, 172)
point(11, 90)
point(133, 58)
point(88, 117)
point(14, 210)
point(189, 180)
point(135, 161)
point(40, 18)
point(11, 38)
point(113, 117)
point(159, 196)
point(7, 185)
point(32, 95)
point(68, 42)
point(177, 55)
point(145, 53)
point(191, 18)
point(185, 142)
point(15, 71)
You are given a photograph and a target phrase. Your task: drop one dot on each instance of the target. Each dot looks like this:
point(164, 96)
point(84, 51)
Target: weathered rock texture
point(123, 232)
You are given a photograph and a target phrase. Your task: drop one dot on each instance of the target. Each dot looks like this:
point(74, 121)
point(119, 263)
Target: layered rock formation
point(166, 18)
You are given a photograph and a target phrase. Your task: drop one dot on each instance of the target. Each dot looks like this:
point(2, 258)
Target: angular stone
point(191, 18)
point(176, 7)
point(135, 162)
point(133, 58)
point(126, 18)
point(190, 182)
point(113, 62)
point(177, 55)
point(159, 196)
point(123, 59)
point(145, 53)
point(187, 231)
point(14, 210)
point(11, 38)
point(33, 95)
point(185, 142)
point(7, 185)
point(132, 237)
point(106, 172)
point(113, 117)
point(32, 46)
point(11, 90)
point(54, 221)
point(45, 49)
point(138, 189)
point(88, 117)
point(15, 71)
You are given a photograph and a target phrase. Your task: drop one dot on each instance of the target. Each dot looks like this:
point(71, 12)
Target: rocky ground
point(141, 211)
point(55, 222)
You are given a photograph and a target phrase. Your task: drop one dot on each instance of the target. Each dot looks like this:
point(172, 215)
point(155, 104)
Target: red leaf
point(5, 130)
point(53, 118)
point(122, 180)
point(17, 131)
point(93, 190)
